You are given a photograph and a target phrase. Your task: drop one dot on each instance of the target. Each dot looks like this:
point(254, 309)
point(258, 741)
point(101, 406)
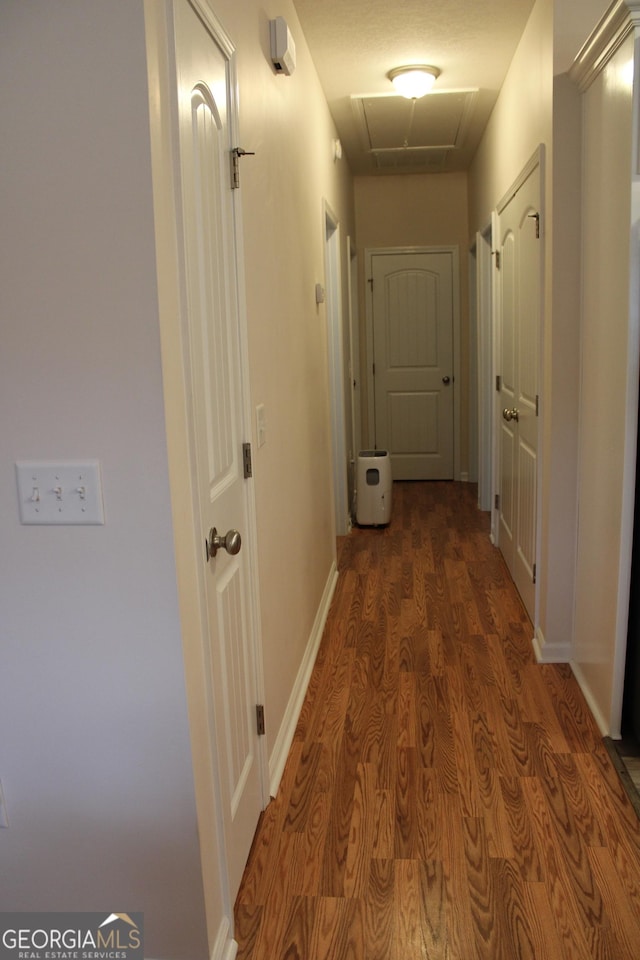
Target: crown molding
point(621, 19)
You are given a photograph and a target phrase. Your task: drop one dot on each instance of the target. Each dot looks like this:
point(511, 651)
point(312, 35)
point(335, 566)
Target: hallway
point(445, 796)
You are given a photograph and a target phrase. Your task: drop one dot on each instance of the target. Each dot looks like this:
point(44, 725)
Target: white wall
point(94, 755)
point(609, 369)
point(562, 368)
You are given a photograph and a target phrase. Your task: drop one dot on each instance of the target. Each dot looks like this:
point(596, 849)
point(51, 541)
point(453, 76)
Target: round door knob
point(507, 414)
point(231, 542)
point(446, 380)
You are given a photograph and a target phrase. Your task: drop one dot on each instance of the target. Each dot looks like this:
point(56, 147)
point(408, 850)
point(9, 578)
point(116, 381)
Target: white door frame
point(484, 361)
point(457, 384)
point(335, 334)
point(354, 357)
point(188, 541)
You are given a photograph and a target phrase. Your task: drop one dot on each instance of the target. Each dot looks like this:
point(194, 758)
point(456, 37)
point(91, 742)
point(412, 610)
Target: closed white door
point(215, 374)
point(413, 362)
point(519, 299)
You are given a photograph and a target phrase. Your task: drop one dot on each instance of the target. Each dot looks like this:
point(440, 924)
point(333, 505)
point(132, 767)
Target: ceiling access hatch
point(402, 133)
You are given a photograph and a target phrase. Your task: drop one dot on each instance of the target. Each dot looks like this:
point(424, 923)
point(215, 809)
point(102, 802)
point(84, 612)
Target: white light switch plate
point(4, 820)
point(261, 425)
point(52, 492)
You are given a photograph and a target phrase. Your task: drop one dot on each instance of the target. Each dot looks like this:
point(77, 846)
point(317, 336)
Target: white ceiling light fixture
point(414, 81)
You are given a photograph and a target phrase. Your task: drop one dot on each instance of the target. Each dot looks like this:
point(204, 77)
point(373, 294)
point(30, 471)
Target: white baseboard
point(603, 726)
point(287, 729)
point(225, 947)
point(546, 652)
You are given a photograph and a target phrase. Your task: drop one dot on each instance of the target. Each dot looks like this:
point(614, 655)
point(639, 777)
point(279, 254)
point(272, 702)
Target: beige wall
point(520, 121)
point(406, 211)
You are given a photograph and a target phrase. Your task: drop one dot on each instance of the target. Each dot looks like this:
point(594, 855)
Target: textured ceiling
point(354, 43)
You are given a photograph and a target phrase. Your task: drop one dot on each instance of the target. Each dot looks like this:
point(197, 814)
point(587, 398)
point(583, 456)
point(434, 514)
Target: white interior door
point(517, 425)
point(413, 301)
point(215, 375)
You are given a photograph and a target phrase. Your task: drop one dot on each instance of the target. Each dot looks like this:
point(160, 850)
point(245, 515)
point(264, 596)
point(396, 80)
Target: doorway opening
point(628, 748)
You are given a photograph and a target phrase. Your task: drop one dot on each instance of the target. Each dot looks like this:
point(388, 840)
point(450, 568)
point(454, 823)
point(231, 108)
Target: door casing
point(335, 338)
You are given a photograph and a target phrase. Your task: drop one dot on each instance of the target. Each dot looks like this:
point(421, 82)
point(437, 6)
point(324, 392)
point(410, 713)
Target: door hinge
point(246, 460)
point(537, 405)
point(236, 153)
point(536, 217)
point(498, 383)
point(374, 369)
point(534, 572)
point(260, 720)
point(497, 259)
point(370, 280)
point(496, 501)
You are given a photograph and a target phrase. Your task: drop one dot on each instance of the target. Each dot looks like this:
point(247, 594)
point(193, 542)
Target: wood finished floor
point(445, 796)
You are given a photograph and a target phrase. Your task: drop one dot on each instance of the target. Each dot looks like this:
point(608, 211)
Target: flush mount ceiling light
point(414, 81)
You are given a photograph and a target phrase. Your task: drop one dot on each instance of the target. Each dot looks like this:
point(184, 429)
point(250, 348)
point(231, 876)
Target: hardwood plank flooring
point(445, 797)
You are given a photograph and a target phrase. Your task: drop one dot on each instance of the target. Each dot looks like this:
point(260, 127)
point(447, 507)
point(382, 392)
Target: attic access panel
point(437, 120)
point(409, 160)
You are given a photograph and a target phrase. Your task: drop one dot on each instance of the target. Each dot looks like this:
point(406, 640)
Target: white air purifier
point(374, 486)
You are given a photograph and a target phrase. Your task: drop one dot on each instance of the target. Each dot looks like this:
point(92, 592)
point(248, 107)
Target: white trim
point(620, 20)
point(496, 308)
point(592, 703)
point(287, 730)
point(454, 250)
point(535, 160)
point(335, 343)
point(485, 383)
point(245, 387)
point(550, 652)
point(354, 368)
point(214, 26)
point(472, 347)
point(225, 947)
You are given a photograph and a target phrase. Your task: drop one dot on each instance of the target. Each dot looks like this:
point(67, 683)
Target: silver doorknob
point(446, 380)
point(231, 542)
point(513, 414)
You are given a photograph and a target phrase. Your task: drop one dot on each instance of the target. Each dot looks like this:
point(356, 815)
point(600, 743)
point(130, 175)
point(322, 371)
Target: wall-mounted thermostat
point(283, 49)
